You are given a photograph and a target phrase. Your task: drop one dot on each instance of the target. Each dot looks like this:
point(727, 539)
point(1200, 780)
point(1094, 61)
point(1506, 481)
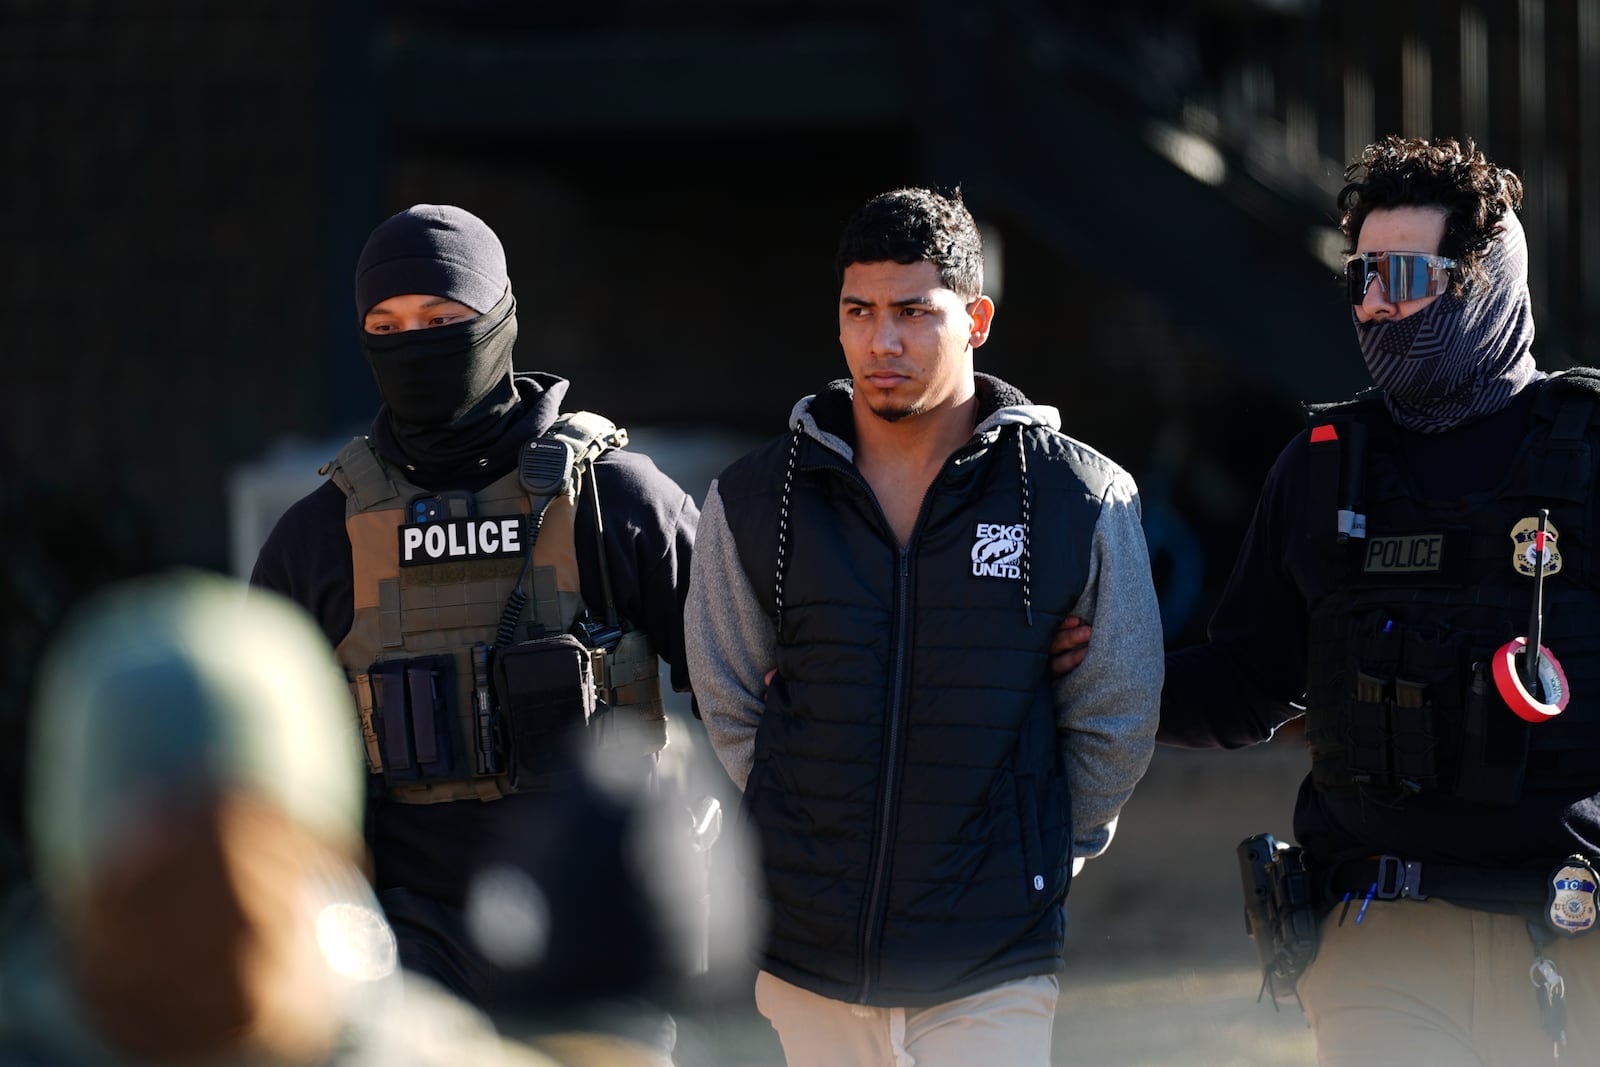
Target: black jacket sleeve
point(306, 557)
point(1242, 684)
point(648, 522)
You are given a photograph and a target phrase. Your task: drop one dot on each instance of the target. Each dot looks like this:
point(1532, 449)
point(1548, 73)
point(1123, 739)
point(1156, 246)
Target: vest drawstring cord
point(783, 528)
point(1027, 531)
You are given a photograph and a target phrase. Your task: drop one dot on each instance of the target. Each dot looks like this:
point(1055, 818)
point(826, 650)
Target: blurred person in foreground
point(1407, 552)
point(194, 802)
point(869, 625)
point(598, 923)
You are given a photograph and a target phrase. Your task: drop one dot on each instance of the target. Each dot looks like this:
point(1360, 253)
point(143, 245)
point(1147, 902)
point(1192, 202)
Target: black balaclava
point(1463, 356)
point(448, 392)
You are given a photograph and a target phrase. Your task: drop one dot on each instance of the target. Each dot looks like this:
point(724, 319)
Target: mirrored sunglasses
point(1403, 275)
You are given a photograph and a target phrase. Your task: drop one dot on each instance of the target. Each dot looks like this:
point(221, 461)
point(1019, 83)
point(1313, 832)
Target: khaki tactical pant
point(1429, 984)
point(1008, 1025)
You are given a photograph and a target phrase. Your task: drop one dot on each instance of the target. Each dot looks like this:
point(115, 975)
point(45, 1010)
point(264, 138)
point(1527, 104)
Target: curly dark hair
point(1446, 173)
point(910, 226)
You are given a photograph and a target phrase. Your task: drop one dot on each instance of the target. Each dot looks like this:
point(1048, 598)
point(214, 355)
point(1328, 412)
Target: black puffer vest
point(907, 789)
point(1401, 698)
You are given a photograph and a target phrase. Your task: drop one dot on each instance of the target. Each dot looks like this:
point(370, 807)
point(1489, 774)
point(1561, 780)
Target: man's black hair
point(915, 225)
point(1445, 173)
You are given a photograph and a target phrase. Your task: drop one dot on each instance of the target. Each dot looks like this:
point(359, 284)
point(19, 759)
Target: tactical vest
point(474, 662)
point(1401, 698)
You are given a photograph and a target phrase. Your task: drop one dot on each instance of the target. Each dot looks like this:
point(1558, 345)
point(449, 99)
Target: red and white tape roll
point(1552, 680)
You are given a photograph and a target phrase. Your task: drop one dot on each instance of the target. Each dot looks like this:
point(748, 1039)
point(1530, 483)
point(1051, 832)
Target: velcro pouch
point(545, 692)
point(414, 719)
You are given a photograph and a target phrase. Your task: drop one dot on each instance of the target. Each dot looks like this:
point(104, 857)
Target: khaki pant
point(1428, 984)
point(1007, 1026)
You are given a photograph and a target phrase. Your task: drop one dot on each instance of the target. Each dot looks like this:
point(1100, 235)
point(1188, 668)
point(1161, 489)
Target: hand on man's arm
point(1069, 645)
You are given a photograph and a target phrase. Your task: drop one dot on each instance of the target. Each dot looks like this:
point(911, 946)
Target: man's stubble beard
point(895, 414)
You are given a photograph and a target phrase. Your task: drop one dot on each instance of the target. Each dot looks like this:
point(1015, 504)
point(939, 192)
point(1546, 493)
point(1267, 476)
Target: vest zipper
point(890, 788)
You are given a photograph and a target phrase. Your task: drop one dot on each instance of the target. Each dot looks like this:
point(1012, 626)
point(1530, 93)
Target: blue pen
point(1373, 888)
point(1346, 910)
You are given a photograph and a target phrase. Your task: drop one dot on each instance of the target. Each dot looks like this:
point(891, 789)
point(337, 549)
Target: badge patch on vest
point(997, 550)
point(1527, 551)
point(453, 540)
point(1571, 909)
point(1421, 553)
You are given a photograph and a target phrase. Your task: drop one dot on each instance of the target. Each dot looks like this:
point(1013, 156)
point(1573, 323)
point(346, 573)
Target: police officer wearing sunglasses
point(1407, 551)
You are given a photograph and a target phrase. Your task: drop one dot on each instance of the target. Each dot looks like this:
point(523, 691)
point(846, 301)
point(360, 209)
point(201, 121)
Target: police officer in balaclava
point(452, 568)
point(439, 323)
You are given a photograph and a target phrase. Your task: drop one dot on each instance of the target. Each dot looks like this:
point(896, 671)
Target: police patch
point(451, 540)
point(1404, 554)
point(1527, 551)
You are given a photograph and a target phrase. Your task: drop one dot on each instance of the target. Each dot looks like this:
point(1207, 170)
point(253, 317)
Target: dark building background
point(187, 185)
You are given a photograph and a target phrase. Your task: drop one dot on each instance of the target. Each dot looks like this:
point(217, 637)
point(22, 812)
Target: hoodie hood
point(826, 416)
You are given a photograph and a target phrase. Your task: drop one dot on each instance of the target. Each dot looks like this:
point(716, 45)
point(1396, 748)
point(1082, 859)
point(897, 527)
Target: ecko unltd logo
point(997, 550)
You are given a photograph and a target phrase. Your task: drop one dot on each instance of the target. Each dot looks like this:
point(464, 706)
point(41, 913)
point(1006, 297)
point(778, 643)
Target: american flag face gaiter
point(1464, 355)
